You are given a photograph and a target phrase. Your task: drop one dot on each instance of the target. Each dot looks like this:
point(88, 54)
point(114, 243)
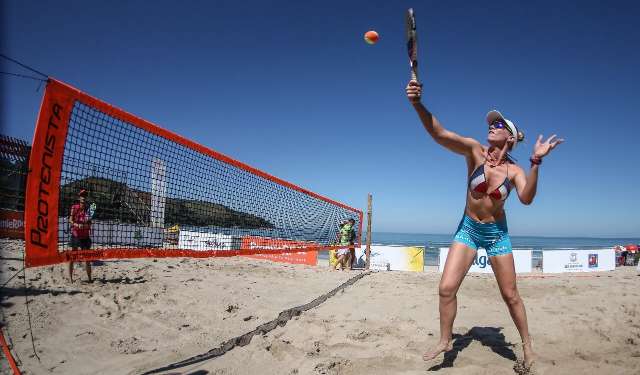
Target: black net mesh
point(14, 161)
point(145, 190)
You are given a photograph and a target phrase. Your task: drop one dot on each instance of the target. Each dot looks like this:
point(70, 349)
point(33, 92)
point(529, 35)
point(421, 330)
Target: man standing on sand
point(80, 221)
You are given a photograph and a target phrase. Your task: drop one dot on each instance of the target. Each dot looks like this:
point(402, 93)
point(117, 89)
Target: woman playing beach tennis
point(492, 174)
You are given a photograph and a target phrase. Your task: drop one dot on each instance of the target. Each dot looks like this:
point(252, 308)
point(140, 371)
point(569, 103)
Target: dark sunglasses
point(499, 124)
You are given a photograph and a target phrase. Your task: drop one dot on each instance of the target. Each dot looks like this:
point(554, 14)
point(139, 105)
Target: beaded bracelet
point(535, 160)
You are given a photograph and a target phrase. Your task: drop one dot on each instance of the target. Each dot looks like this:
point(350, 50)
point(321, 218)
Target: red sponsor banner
point(11, 224)
point(43, 182)
point(255, 243)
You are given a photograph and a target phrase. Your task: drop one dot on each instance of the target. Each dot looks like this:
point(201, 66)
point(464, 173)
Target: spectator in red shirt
point(80, 221)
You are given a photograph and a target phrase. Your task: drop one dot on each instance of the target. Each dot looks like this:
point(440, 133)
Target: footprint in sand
point(360, 336)
point(316, 349)
point(334, 367)
point(232, 308)
point(129, 345)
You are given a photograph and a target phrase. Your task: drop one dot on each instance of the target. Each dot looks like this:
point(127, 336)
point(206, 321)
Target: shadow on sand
point(122, 280)
point(487, 336)
point(13, 292)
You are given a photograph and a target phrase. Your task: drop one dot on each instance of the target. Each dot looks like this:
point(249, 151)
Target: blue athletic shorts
point(493, 237)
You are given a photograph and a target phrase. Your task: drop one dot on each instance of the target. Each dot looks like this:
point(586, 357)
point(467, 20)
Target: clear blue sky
point(291, 88)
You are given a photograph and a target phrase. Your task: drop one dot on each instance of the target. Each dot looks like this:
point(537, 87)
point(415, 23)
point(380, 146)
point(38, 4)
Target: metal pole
point(368, 248)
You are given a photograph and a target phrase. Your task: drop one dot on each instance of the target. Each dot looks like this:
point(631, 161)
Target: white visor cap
point(495, 115)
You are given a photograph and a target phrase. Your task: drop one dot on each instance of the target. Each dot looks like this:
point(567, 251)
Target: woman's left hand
point(542, 149)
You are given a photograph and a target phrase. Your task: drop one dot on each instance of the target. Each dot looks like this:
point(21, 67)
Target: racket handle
point(414, 74)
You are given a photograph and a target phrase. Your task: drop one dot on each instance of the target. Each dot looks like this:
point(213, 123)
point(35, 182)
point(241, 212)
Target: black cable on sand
point(245, 339)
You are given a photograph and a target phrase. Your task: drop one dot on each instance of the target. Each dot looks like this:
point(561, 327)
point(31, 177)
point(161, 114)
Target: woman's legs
point(74, 246)
point(352, 257)
point(71, 271)
point(347, 262)
point(84, 244)
point(459, 259)
point(88, 268)
point(504, 269)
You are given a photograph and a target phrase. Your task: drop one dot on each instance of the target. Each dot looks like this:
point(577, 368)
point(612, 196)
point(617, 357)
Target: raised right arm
point(448, 139)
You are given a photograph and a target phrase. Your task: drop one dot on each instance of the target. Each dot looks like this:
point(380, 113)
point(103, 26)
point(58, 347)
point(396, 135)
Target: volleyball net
point(105, 184)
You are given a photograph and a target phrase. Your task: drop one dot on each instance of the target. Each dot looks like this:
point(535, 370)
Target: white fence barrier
point(114, 233)
point(393, 258)
point(208, 241)
point(558, 261)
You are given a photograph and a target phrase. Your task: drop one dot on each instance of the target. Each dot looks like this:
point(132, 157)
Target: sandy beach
point(140, 315)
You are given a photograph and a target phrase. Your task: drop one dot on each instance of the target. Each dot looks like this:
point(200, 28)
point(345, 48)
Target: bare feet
point(441, 347)
point(521, 369)
point(529, 356)
point(525, 366)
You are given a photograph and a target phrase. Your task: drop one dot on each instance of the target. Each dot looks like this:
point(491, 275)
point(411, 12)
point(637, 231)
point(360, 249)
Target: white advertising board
point(482, 264)
point(114, 233)
point(559, 261)
point(392, 258)
point(208, 241)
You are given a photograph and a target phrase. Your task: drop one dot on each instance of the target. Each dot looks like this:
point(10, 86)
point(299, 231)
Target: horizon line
point(521, 235)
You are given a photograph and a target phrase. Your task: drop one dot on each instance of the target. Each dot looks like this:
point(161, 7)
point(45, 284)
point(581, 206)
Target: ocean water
point(520, 242)
point(432, 243)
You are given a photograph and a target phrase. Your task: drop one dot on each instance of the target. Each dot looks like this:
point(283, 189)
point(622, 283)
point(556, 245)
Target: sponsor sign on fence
point(207, 241)
point(482, 263)
point(11, 224)
point(393, 258)
point(112, 233)
point(265, 243)
point(558, 261)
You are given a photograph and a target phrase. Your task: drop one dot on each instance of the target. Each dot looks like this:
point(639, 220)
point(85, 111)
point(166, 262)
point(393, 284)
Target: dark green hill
point(117, 201)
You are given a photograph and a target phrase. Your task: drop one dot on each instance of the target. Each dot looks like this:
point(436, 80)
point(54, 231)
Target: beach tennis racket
point(412, 43)
point(91, 211)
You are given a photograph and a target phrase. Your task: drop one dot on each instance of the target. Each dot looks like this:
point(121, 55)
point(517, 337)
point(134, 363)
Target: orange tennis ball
point(371, 37)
